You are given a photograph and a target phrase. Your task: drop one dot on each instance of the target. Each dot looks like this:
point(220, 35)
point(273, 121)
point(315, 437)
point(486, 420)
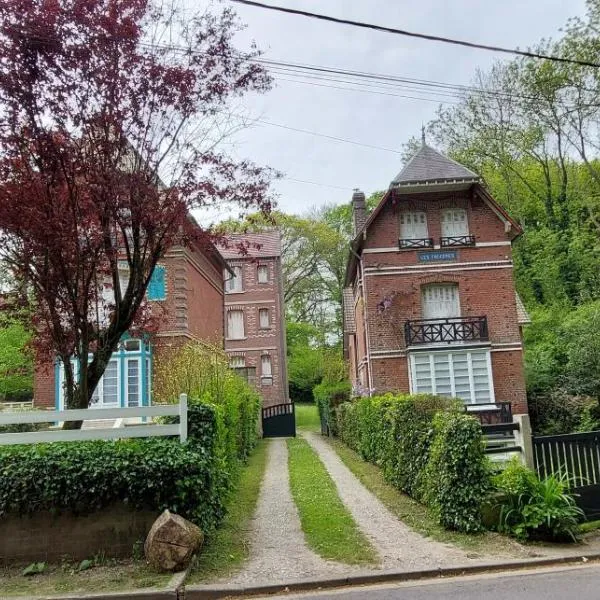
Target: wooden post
point(523, 439)
point(183, 418)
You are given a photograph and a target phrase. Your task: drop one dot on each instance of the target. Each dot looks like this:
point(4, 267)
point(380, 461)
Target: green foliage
point(192, 479)
point(536, 509)
point(559, 412)
point(83, 477)
point(328, 396)
point(34, 569)
point(427, 447)
point(16, 362)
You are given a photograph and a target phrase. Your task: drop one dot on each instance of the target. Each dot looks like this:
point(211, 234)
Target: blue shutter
point(157, 288)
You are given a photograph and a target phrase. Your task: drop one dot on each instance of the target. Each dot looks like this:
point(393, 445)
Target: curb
point(208, 592)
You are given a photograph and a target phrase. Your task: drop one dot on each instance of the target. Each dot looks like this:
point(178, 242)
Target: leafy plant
point(537, 509)
point(427, 447)
point(35, 568)
point(85, 564)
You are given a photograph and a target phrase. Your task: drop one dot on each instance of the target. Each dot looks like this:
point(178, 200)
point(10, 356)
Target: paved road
point(579, 583)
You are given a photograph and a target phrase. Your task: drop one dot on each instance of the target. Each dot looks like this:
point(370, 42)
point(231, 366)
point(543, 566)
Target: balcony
point(457, 241)
point(415, 243)
point(456, 329)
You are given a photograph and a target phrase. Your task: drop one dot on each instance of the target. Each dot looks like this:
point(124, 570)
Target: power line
point(424, 36)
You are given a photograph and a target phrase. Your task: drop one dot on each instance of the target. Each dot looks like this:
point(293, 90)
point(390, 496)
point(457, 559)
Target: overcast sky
point(369, 118)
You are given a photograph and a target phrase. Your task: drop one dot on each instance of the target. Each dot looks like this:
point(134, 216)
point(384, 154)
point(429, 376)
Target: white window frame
point(138, 360)
point(99, 391)
point(261, 324)
point(237, 362)
point(472, 401)
point(450, 227)
point(262, 274)
point(413, 225)
point(234, 284)
point(266, 376)
point(230, 335)
point(441, 287)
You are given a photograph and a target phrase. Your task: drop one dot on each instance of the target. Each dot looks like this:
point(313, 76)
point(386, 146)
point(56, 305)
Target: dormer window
point(455, 228)
point(413, 230)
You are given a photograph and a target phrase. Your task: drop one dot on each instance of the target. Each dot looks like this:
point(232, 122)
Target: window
point(235, 324)
point(237, 362)
point(233, 283)
point(263, 318)
point(132, 345)
point(266, 371)
point(263, 274)
point(413, 225)
point(454, 222)
point(123, 277)
point(132, 374)
point(464, 374)
point(107, 390)
point(440, 301)
point(157, 286)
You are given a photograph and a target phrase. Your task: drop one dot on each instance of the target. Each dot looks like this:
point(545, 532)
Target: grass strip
point(105, 575)
point(328, 527)
point(307, 416)
point(229, 547)
point(415, 515)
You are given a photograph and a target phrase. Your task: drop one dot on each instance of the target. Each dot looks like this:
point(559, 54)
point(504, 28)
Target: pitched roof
point(428, 166)
point(349, 320)
point(522, 315)
point(265, 244)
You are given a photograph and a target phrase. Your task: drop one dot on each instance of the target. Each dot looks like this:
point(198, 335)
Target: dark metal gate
point(279, 420)
point(578, 456)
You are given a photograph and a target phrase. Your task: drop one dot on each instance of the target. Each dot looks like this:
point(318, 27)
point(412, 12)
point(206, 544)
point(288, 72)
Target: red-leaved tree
point(111, 114)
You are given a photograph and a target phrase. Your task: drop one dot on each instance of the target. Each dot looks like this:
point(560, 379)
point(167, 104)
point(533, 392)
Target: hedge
point(191, 479)
point(428, 447)
point(328, 396)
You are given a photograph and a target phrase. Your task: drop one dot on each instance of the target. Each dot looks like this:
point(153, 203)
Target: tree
point(108, 140)
point(16, 365)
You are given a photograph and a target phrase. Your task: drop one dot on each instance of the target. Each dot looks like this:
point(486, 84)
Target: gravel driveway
point(278, 551)
point(398, 545)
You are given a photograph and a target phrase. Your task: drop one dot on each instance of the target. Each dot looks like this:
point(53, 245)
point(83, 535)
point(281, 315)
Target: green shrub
point(427, 447)
point(328, 396)
point(83, 477)
point(536, 509)
point(559, 412)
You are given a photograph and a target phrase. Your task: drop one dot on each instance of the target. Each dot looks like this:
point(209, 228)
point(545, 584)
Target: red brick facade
point(193, 309)
point(387, 286)
point(252, 350)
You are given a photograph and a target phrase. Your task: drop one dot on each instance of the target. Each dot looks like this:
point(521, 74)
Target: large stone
point(171, 542)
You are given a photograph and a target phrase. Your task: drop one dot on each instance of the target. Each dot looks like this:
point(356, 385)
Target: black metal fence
point(279, 420)
point(415, 243)
point(576, 456)
point(456, 241)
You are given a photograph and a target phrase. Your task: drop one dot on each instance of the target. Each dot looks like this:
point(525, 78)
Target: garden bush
point(328, 396)
point(428, 447)
point(83, 477)
point(536, 509)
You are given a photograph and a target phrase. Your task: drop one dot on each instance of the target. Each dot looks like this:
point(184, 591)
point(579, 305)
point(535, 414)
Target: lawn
point(307, 416)
point(103, 576)
point(328, 527)
point(415, 515)
point(227, 549)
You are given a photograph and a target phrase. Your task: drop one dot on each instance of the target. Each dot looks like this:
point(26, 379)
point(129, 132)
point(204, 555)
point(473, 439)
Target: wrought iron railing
point(495, 413)
point(459, 240)
point(457, 329)
point(415, 243)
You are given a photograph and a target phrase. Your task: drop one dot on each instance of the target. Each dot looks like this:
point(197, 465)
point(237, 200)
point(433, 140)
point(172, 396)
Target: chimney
point(359, 211)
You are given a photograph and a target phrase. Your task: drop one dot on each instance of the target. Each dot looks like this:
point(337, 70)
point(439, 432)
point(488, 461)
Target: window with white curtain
point(235, 324)
point(440, 301)
point(266, 370)
point(263, 318)
point(454, 222)
point(413, 225)
point(234, 283)
point(263, 274)
point(460, 374)
point(237, 362)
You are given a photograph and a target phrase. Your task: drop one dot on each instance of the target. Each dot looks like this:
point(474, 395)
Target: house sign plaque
point(437, 256)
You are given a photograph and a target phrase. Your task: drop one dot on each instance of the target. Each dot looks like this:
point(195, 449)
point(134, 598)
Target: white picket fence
point(6, 406)
point(96, 414)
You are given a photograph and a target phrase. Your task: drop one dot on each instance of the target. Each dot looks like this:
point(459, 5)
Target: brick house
point(429, 300)
point(187, 291)
point(255, 315)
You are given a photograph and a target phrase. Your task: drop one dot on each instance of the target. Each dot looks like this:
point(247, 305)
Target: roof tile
point(259, 245)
